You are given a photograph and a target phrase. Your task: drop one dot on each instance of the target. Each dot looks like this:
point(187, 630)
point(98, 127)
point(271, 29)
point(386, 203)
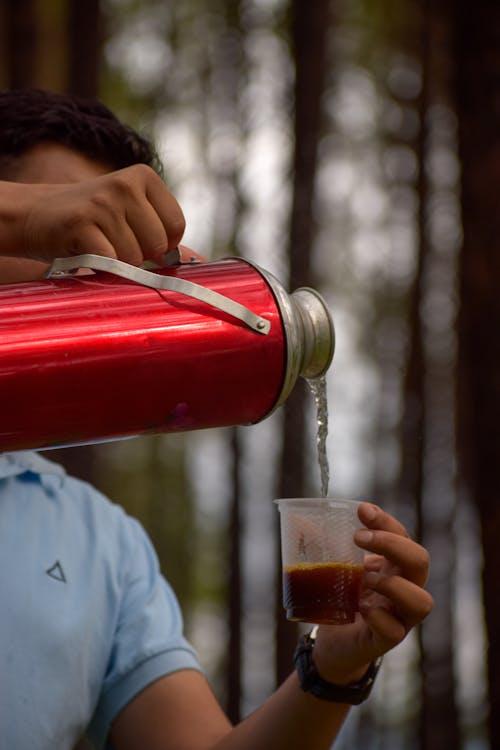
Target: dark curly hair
point(32, 116)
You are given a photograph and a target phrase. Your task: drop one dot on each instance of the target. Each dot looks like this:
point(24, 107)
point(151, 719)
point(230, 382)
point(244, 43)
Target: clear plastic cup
point(322, 567)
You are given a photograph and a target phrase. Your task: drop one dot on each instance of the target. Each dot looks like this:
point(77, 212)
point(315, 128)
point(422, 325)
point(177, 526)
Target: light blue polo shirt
point(86, 619)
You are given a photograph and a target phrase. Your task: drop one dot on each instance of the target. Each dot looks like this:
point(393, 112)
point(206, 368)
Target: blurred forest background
point(354, 147)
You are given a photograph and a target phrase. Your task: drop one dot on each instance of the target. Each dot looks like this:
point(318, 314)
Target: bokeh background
point(354, 147)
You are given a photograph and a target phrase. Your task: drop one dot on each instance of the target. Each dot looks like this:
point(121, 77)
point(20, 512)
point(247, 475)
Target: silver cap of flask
point(309, 334)
point(318, 333)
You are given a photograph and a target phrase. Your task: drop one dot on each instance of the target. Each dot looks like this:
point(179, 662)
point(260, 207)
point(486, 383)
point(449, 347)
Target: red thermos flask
point(122, 351)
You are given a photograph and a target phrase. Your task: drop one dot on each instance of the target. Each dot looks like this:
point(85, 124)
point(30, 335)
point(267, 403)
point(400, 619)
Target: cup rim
point(316, 502)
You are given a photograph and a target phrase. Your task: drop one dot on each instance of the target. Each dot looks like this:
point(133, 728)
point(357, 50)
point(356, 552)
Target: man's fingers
point(409, 557)
point(387, 630)
point(148, 230)
point(136, 200)
point(129, 214)
point(112, 239)
point(408, 602)
point(375, 518)
point(387, 537)
point(167, 209)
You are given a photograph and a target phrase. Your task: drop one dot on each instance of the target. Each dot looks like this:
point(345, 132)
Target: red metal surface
point(91, 358)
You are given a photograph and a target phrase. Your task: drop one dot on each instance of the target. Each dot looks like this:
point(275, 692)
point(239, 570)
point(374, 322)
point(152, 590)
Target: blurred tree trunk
point(428, 386)
point(53, 45)
point(478, 94)
point(235, 586)
point(413, 424)
point(310, 22)
point(85, 42)
point(21, 42)
point(227, 80)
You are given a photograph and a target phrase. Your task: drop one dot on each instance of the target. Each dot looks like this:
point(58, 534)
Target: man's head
point(30, 117)
point(53, 138)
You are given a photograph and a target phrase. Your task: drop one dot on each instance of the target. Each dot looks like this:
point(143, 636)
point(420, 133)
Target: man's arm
point(129, 214)
point(179, 711)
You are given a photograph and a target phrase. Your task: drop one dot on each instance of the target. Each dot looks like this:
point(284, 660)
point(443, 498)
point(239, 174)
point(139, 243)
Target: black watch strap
point(312, 682)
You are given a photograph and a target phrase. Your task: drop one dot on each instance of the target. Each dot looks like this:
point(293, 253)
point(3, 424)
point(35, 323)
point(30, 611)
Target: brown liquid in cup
point(322, 592)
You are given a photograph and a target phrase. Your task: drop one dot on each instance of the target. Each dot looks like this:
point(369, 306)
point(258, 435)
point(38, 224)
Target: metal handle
point(64, 266)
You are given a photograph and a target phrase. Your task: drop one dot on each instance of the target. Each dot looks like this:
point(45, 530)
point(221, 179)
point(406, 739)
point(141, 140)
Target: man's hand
point(392, 601)
point(128, 214)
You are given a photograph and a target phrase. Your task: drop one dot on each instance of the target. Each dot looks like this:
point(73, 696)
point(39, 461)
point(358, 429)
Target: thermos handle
point(63, 266)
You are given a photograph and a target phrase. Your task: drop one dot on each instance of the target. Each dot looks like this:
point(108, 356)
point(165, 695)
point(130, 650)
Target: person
point(92, 643)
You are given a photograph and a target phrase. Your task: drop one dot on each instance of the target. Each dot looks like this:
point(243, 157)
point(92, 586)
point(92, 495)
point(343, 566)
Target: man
point(92, 640)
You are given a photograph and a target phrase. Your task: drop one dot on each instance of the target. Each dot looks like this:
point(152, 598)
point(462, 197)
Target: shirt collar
point(12, 464)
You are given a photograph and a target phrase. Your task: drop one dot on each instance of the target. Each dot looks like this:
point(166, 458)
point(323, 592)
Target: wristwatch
point(311, 682)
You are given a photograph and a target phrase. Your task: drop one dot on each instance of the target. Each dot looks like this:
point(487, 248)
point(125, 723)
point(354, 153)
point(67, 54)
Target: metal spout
point(318, 333)
point(309, 334)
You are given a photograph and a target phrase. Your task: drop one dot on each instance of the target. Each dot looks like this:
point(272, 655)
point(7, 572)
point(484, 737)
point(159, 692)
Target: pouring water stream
point(317, 387)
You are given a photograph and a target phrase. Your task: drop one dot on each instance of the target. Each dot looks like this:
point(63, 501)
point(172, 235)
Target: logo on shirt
point(56, 572)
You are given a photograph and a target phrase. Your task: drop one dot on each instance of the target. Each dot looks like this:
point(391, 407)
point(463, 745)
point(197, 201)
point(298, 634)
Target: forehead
point(57, 164)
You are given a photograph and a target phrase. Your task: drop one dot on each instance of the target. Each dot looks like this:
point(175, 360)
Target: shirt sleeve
point(148, 641)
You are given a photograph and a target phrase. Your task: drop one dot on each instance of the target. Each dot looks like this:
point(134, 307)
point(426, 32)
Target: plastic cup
point(322, 567)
